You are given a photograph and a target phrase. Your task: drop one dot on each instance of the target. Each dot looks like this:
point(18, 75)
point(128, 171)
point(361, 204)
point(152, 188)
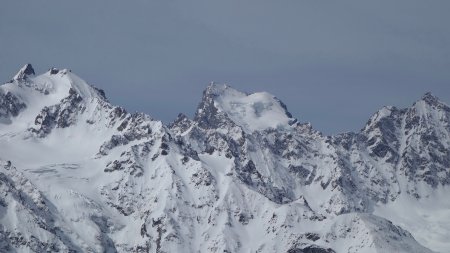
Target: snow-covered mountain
point(78, 174)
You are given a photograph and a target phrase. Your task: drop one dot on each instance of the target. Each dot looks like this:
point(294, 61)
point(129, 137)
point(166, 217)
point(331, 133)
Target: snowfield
point(78, 174)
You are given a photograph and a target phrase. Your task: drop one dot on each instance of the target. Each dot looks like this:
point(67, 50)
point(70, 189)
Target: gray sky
point(334, 63)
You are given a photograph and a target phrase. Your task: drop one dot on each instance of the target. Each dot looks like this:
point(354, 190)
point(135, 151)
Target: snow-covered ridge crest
point(27, 94)
point(91, 177)
point(54, 81)
point(253, 112)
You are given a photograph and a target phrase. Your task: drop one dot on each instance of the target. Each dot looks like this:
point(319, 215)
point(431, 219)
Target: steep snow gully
point(78, 174)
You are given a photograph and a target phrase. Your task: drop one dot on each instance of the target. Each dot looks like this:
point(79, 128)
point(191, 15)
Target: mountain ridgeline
point(78, 174)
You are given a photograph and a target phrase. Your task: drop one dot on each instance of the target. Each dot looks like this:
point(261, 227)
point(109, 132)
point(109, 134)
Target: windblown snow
point(78, 174)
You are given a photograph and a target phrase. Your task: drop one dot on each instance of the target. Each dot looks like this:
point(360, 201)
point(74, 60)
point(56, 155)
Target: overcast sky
point(333, 63)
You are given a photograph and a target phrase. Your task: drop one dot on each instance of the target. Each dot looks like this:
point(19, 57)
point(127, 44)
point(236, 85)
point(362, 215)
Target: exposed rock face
point(24, 72)
point(61, 115)
point(10, 105)
point(242, 175)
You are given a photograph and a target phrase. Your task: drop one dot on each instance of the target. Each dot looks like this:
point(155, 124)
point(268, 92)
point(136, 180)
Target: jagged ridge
point(227, 180)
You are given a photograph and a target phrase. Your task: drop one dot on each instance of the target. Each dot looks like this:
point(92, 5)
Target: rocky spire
point(24, 72)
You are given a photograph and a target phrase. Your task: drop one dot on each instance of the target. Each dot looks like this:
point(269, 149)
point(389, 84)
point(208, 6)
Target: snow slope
point(81, 175)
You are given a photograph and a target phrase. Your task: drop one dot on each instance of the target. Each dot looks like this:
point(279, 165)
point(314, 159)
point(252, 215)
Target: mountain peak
point(430, 98)
point(215, 89)
point(430, 102)
point(24, 72)
point(254, 112)
point(241, 165)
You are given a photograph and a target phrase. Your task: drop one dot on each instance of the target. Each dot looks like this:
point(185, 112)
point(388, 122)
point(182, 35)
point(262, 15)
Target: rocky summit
point(78, 174)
